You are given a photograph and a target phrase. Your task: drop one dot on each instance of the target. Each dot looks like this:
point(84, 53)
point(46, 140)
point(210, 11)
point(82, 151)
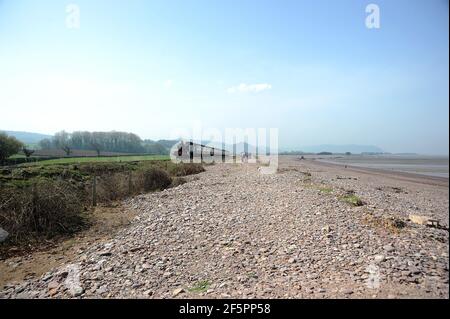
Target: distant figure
point(345, 166)
point(302, 157)
point(244, 157)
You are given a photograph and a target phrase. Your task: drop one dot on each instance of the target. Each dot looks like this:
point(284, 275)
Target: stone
point(72, 282)
point(388, 248)
point(47, 276)
point(52, 292)
point(148, 293)
point(424, 220)
point(53, 285)
point(102, 290)
point(105, 253)
point(326, 229)
point(347, 291)
point(76, 291)
point(417, 219)
point(379, 258)
point(177, 291)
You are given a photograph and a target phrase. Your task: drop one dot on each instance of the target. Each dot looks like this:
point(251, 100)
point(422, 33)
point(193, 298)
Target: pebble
point(379, 258)
point(232, 232)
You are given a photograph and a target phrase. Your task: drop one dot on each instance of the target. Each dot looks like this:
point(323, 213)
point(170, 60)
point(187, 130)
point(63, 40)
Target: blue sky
point(310, 68)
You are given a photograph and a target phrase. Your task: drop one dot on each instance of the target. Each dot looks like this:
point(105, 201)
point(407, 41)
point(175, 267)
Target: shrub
point(112, 187)
point(9, 145)
point(352, 199)
point(177, 181)
point(47, 208)
point(184, 169)
point(156, 179)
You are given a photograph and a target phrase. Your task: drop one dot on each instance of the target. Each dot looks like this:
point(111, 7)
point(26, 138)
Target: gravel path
point(232, 232)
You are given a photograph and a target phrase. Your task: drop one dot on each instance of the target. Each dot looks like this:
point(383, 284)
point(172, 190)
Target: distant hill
point(27, 137)
point(161, 147)
point(167, 143)
point(352, 148)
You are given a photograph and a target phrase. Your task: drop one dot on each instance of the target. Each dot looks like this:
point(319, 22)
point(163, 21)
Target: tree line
point(9, 146)
point(120, 142)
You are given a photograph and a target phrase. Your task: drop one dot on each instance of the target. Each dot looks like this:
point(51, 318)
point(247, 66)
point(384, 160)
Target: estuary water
point(418, 164)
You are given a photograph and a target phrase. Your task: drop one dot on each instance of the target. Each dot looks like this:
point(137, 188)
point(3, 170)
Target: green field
point(17, 156)
point(106, 159)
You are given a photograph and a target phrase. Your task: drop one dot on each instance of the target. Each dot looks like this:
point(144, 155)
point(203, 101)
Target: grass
point(104, 159)
point(201, 286)
point(26, 175)
point(326, 190)
point(17, 156)
point(253, 275)
point(352, 199)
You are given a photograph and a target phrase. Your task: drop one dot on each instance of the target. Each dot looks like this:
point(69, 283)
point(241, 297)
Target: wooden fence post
point(129, 183)
point(94, 191)
point(34, 197)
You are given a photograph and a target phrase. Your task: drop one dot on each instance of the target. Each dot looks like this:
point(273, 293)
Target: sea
point(418, 164)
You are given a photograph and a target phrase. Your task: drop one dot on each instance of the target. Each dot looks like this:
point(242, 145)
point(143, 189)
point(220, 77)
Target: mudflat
point(312, 230)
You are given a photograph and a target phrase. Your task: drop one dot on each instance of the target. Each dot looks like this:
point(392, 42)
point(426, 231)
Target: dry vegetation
point(389, 223)
point(43, 202)
point(47, 208)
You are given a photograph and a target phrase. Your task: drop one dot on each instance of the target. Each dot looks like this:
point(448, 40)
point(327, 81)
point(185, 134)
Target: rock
point(146, 266)
point(105, 253)
point(177, 291)
point(102, 290)
point(379, 258)
point(52, 292)
point(347, 291)
point(108, 246)
point(148, 293)
point(388, 248)
point(19, 289)
point(417, 219)
point(76, 291)
point(53, 285)
point(424, 220)
point(47, 276)
point(3, 234)
point(23, 295)
point(326, 229)
point(72, 281)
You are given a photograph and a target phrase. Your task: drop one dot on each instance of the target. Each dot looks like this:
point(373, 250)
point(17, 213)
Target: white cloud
point(253, 88)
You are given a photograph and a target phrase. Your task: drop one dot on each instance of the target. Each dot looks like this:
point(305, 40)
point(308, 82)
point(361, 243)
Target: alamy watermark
point(373, 17)
point(232, 145)
point(373, 280)
point(73, 16)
